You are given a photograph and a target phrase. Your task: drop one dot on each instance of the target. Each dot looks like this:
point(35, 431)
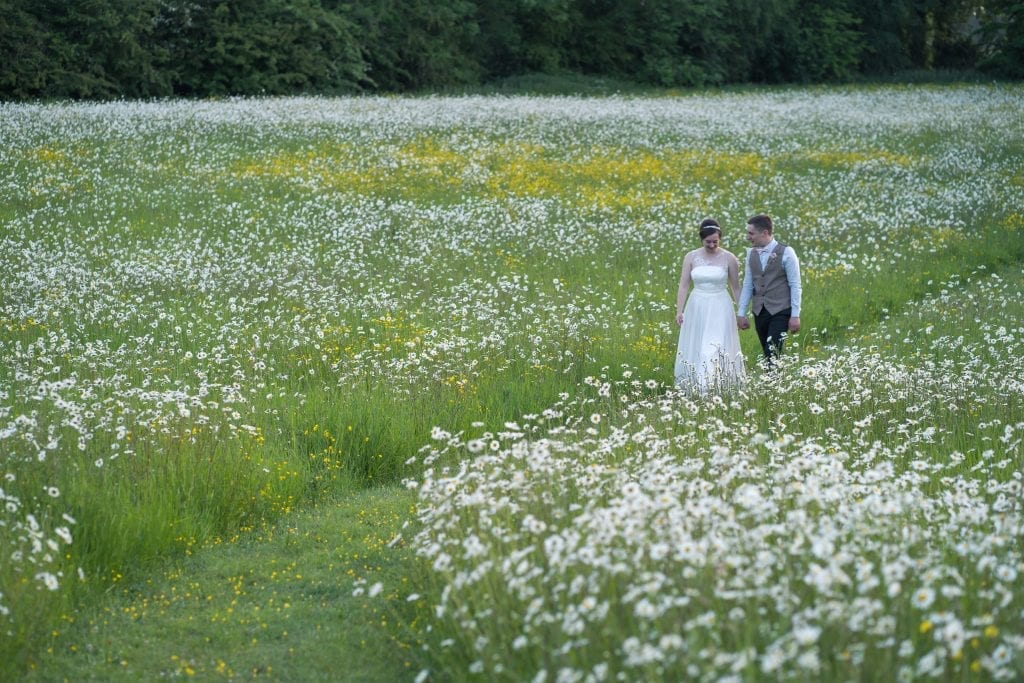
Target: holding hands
point(744, 324)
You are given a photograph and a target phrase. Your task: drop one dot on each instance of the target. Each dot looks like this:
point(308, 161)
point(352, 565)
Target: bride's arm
point(684, 287)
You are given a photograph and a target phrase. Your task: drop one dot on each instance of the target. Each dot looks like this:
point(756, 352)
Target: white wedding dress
point(709, 358)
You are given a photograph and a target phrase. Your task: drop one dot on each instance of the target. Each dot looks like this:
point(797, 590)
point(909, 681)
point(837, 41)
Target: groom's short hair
point(762, 221)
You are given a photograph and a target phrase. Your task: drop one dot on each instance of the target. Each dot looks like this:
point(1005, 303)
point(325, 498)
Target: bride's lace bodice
point(709, 274)
point(719, 260)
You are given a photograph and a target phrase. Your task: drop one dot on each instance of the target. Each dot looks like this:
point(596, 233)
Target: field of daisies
point(216, 312)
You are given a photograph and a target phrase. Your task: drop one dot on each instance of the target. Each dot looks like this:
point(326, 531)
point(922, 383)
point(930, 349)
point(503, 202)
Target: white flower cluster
point(646, 553)
point(34, 547)
point(684, 541)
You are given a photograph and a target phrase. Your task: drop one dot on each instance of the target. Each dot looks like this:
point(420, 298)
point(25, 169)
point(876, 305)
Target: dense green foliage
point(1003, 37)
point(100, 49)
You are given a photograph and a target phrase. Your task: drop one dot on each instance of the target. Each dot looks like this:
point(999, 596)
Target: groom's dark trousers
point(772, 329)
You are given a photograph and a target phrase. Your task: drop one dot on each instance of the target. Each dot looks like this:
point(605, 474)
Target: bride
point(708, 357)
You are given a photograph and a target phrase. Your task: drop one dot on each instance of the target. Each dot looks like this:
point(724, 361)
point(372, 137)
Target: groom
point(771, 282)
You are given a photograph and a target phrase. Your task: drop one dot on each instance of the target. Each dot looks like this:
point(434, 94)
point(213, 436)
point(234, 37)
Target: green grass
point(273, 348)
point(275, 603)
point(566, 84)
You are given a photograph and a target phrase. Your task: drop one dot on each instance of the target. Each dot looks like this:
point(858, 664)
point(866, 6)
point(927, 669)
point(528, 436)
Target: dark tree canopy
point(101, 49)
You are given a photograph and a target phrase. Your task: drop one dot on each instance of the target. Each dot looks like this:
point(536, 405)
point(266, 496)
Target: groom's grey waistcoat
point(771, 288)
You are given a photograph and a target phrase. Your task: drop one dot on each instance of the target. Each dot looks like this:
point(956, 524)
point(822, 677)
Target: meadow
point(220, 314)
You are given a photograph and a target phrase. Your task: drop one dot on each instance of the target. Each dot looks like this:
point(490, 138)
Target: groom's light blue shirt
point(791, 266)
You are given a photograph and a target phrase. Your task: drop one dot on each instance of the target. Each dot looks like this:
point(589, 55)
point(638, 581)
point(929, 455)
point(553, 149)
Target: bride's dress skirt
point(708, 358)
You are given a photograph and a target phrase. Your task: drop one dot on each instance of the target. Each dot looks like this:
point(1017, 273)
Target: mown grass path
point(272, 604)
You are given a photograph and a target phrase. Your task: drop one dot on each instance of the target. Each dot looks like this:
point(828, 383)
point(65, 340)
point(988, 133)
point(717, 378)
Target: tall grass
point(214, 312)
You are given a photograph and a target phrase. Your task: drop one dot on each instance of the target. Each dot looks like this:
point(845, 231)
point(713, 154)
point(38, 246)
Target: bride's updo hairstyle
point(708, 227)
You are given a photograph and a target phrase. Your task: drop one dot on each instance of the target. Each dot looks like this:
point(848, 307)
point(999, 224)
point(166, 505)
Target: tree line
point(101, 49)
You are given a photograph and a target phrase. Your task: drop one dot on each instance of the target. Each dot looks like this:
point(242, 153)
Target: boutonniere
point(772, 255)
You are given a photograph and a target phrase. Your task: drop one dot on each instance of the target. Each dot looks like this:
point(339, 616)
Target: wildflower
point(659, 551)
point(1006, 573)
point(49, 580)
point(631, 490)
point(645, 610)
point(809, 661)
point(924, 598)
point(953, 634)
point(772, 660)
point(806, 634)
point(534, 525)
point(929, 664)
